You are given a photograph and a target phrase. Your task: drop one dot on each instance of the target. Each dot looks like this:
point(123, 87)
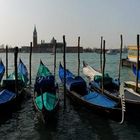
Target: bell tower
point(34, 37)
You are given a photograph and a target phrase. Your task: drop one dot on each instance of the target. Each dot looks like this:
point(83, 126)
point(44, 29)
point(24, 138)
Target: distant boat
point(111, 52)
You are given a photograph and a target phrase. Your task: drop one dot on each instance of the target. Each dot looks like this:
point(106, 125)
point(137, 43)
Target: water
point(74, 123)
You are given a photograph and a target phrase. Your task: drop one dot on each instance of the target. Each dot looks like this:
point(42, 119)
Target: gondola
point(111, 88)
point(78, 91)
point(9, 97)
point(46, 97)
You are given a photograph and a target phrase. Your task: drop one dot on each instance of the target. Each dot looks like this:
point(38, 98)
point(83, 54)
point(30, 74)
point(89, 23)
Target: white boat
point(111, 87)
point(111, 52)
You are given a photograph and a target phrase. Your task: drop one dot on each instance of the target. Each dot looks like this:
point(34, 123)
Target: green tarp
point(107, 79)
point(43, 71)
point(49, 101)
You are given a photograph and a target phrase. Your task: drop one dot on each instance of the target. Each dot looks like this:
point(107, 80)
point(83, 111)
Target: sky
point(89, 19)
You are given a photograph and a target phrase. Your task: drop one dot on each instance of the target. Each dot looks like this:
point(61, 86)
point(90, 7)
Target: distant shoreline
point(86, 50)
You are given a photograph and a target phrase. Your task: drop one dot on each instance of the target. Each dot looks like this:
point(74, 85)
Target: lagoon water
point(73, 123)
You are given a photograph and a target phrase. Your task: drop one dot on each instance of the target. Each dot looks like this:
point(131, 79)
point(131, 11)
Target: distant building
point(48, 47)
point(74, 49)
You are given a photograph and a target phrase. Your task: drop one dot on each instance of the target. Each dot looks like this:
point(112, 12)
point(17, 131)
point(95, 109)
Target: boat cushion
point(76, 84)
point(45, 84)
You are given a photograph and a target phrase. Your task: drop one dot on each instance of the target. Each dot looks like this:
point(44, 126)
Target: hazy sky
point(89, 19)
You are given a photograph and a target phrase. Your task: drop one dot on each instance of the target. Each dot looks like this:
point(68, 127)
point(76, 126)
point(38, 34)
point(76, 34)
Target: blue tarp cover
point(73, 83)
point(135, 71)
point(61, 73)
point(6, 96)
point(99, 99)
point(2, 70)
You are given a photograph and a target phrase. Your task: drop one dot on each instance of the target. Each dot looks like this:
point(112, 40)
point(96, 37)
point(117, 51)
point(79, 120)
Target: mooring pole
point(101, 54)
point(6, 61)
point(16, 70)
point(64, 63)
point(121, 86)
point(137, 71)
point(55, 46)
point(30, 63)
point(79, 56)
point(121, 37)
point(104, 61)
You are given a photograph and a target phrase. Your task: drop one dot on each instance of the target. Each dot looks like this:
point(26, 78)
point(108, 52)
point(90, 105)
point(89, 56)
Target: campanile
point(34, 37)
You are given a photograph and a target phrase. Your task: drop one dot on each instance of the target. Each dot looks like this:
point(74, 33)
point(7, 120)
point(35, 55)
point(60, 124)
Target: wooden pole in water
point(78, 56)
point(16, 70)
point(6, 61)
point(121, 37)
point(101, 53)
point(137, 63)
point(64, 63)
point(121, 91)
point(103, 69)
point(30, 63)
point(55, 46)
